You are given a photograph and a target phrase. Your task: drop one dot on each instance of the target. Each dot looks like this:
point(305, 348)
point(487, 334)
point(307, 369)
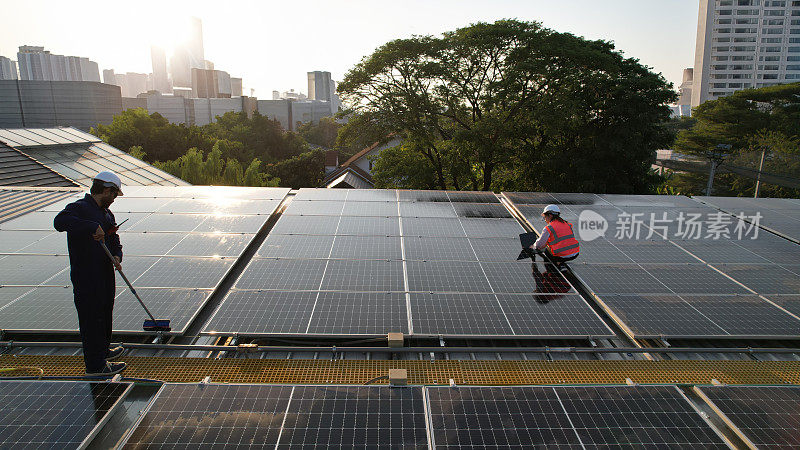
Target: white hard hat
point(553, 209)
point(110, 179)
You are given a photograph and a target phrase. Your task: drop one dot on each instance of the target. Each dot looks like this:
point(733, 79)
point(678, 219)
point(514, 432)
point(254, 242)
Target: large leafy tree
point(750, 121)
point(513, 105)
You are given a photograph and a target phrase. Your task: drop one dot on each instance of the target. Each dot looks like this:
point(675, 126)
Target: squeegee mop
point(149, 325)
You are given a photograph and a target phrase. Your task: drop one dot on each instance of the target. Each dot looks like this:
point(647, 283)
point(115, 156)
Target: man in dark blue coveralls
point(87, 222)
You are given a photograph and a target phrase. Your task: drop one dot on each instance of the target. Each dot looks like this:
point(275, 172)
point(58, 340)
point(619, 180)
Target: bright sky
point(272, 45)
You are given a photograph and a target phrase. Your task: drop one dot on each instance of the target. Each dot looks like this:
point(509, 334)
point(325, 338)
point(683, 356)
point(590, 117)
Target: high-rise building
point(319, 86)
point(180, 69)
point(8, 69)
point(195, 43)
point(745, 44)
point(159, 60)
point(109, 77)
point(236, 87)
point(35, 63)
point(208, 83)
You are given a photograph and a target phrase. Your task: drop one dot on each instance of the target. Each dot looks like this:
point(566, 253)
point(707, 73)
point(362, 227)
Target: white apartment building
point(745, 44)
point(35, 63)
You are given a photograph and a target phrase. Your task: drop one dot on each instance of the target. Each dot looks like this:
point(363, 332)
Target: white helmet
point(110, 179)
point(552, 209)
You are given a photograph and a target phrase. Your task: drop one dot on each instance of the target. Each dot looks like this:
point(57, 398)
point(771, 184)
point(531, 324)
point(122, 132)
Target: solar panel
point(212, 244)
point(144, 244)
point(480, 210)
point(745, 315)
point(376, 209)
point(552, 315)
point(32, 221)
point(368, 226)
point(322, 194)
point(371, 195)
point(169, 222)
point(315, 208)
point(636, 416)
point(617, 278)
point(282, 274)
point(790, 303)
point(526, 278)
point(355, 417)
point(492, 227)
point(55, 414)
point(9, 294)
point(765, 279)
point(367, 247)
point(136, 204)
point(231, 416)
point(14, 241)
point(185, 272)
point(433, 227)
point(31, 269)
point(458, 314)
point(325, 225)
point(350, 275)
point(528, 198)
point(439, 249)
point(499, 417)
point(693, 279)
point(347, 313)
point(472, 197)
point(446, 276)
point(220, 206)
point(293, 246)
point(427, 209)
point(715, 252)
point(263, 312)
point(601, 251)
point(763, 416)
point(652, 316)
point(422, 196)
point(231, 224)
point(653, 251)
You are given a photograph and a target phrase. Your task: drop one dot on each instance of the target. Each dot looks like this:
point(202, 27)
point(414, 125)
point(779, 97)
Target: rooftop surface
point(289, 296)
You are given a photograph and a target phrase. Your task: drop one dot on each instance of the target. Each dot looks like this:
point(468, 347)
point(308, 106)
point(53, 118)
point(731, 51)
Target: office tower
point(159, 60)
point(236, 87)
point(319, 86)
point(180, 68)
point(8, 69)
point(745, 44)
point(35, 63)
point(195, 43)
point(109, 77)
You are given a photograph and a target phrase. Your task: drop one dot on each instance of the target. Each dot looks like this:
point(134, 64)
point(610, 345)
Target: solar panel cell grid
point(366, 209)
point(766, 416)
point(745, 315)
point(24, 241)
point(31, 269)
point(315, 208)
point(356, 275)
point(296, 246)
point(185, 272)
point(654, 251)
point(491, 227)
point(617, 279)
point(446, 276)
point(359, 313)
point(524, 277)
point(368, 226)
point(479, 210)
point(439, 249)
point(54, 414)
point(472, 197)
point(458, 314)
point(236, 416)
point(427, 209)
point(551, 315)
point(263, 312)
point(367, 247)
point(169, 222)
point(282, 274)
point(323, 225)
point(433, 227)
point(693, 279)
point(765, 279)
point(359, 417)
point(371, 195)
point(231, 224)
point(230, 245)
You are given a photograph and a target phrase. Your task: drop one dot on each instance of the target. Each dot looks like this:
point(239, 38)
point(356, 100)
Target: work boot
point(109, 369)
point(114, 353)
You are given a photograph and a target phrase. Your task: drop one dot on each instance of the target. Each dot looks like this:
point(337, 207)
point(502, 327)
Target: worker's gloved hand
point(117, 263)
point(99, 234)
point(113, 230)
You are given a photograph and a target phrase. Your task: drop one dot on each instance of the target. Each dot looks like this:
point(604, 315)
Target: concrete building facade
point(158, 58)
point(8, 69)
point(291, 114)
point(80, 104)
point(236, 87)
point(745, 44)
point(36, 63)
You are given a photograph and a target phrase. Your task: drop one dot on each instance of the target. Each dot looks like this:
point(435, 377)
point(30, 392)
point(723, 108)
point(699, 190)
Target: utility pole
point(760, 168)
point(716, 157)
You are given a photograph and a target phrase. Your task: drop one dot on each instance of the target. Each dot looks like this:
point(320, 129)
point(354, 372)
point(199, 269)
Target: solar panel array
point(55, 414)
point(178, 244)
point(781, 215)
point(662, 277)
point(763, 416)
point(416, 417)
point(343, 262)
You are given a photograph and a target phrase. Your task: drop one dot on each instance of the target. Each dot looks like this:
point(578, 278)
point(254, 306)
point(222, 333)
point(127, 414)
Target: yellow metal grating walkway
point(498, 373)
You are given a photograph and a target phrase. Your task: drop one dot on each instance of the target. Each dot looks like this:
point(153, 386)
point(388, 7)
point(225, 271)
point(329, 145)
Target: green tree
point(322, 134)
point(304, 170)
point(515, 105)
point(233, 175)
point(137, 152)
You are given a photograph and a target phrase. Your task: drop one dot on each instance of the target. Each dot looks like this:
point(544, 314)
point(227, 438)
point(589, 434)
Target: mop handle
point(111, 257)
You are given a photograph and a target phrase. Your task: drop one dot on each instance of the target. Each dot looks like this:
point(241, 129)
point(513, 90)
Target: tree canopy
point(749, 121)
point(510, 105)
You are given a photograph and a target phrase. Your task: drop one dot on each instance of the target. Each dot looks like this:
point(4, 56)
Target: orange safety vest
point(562, 240)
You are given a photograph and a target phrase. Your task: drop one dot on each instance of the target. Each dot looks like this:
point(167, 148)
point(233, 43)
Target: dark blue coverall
point(92, 274)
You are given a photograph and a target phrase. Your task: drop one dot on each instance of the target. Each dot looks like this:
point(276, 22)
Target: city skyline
point(265, 43)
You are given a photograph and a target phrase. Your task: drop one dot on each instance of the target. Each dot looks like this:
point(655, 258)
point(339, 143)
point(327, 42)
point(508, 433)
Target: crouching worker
point(557, 239)
point(87, 222)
